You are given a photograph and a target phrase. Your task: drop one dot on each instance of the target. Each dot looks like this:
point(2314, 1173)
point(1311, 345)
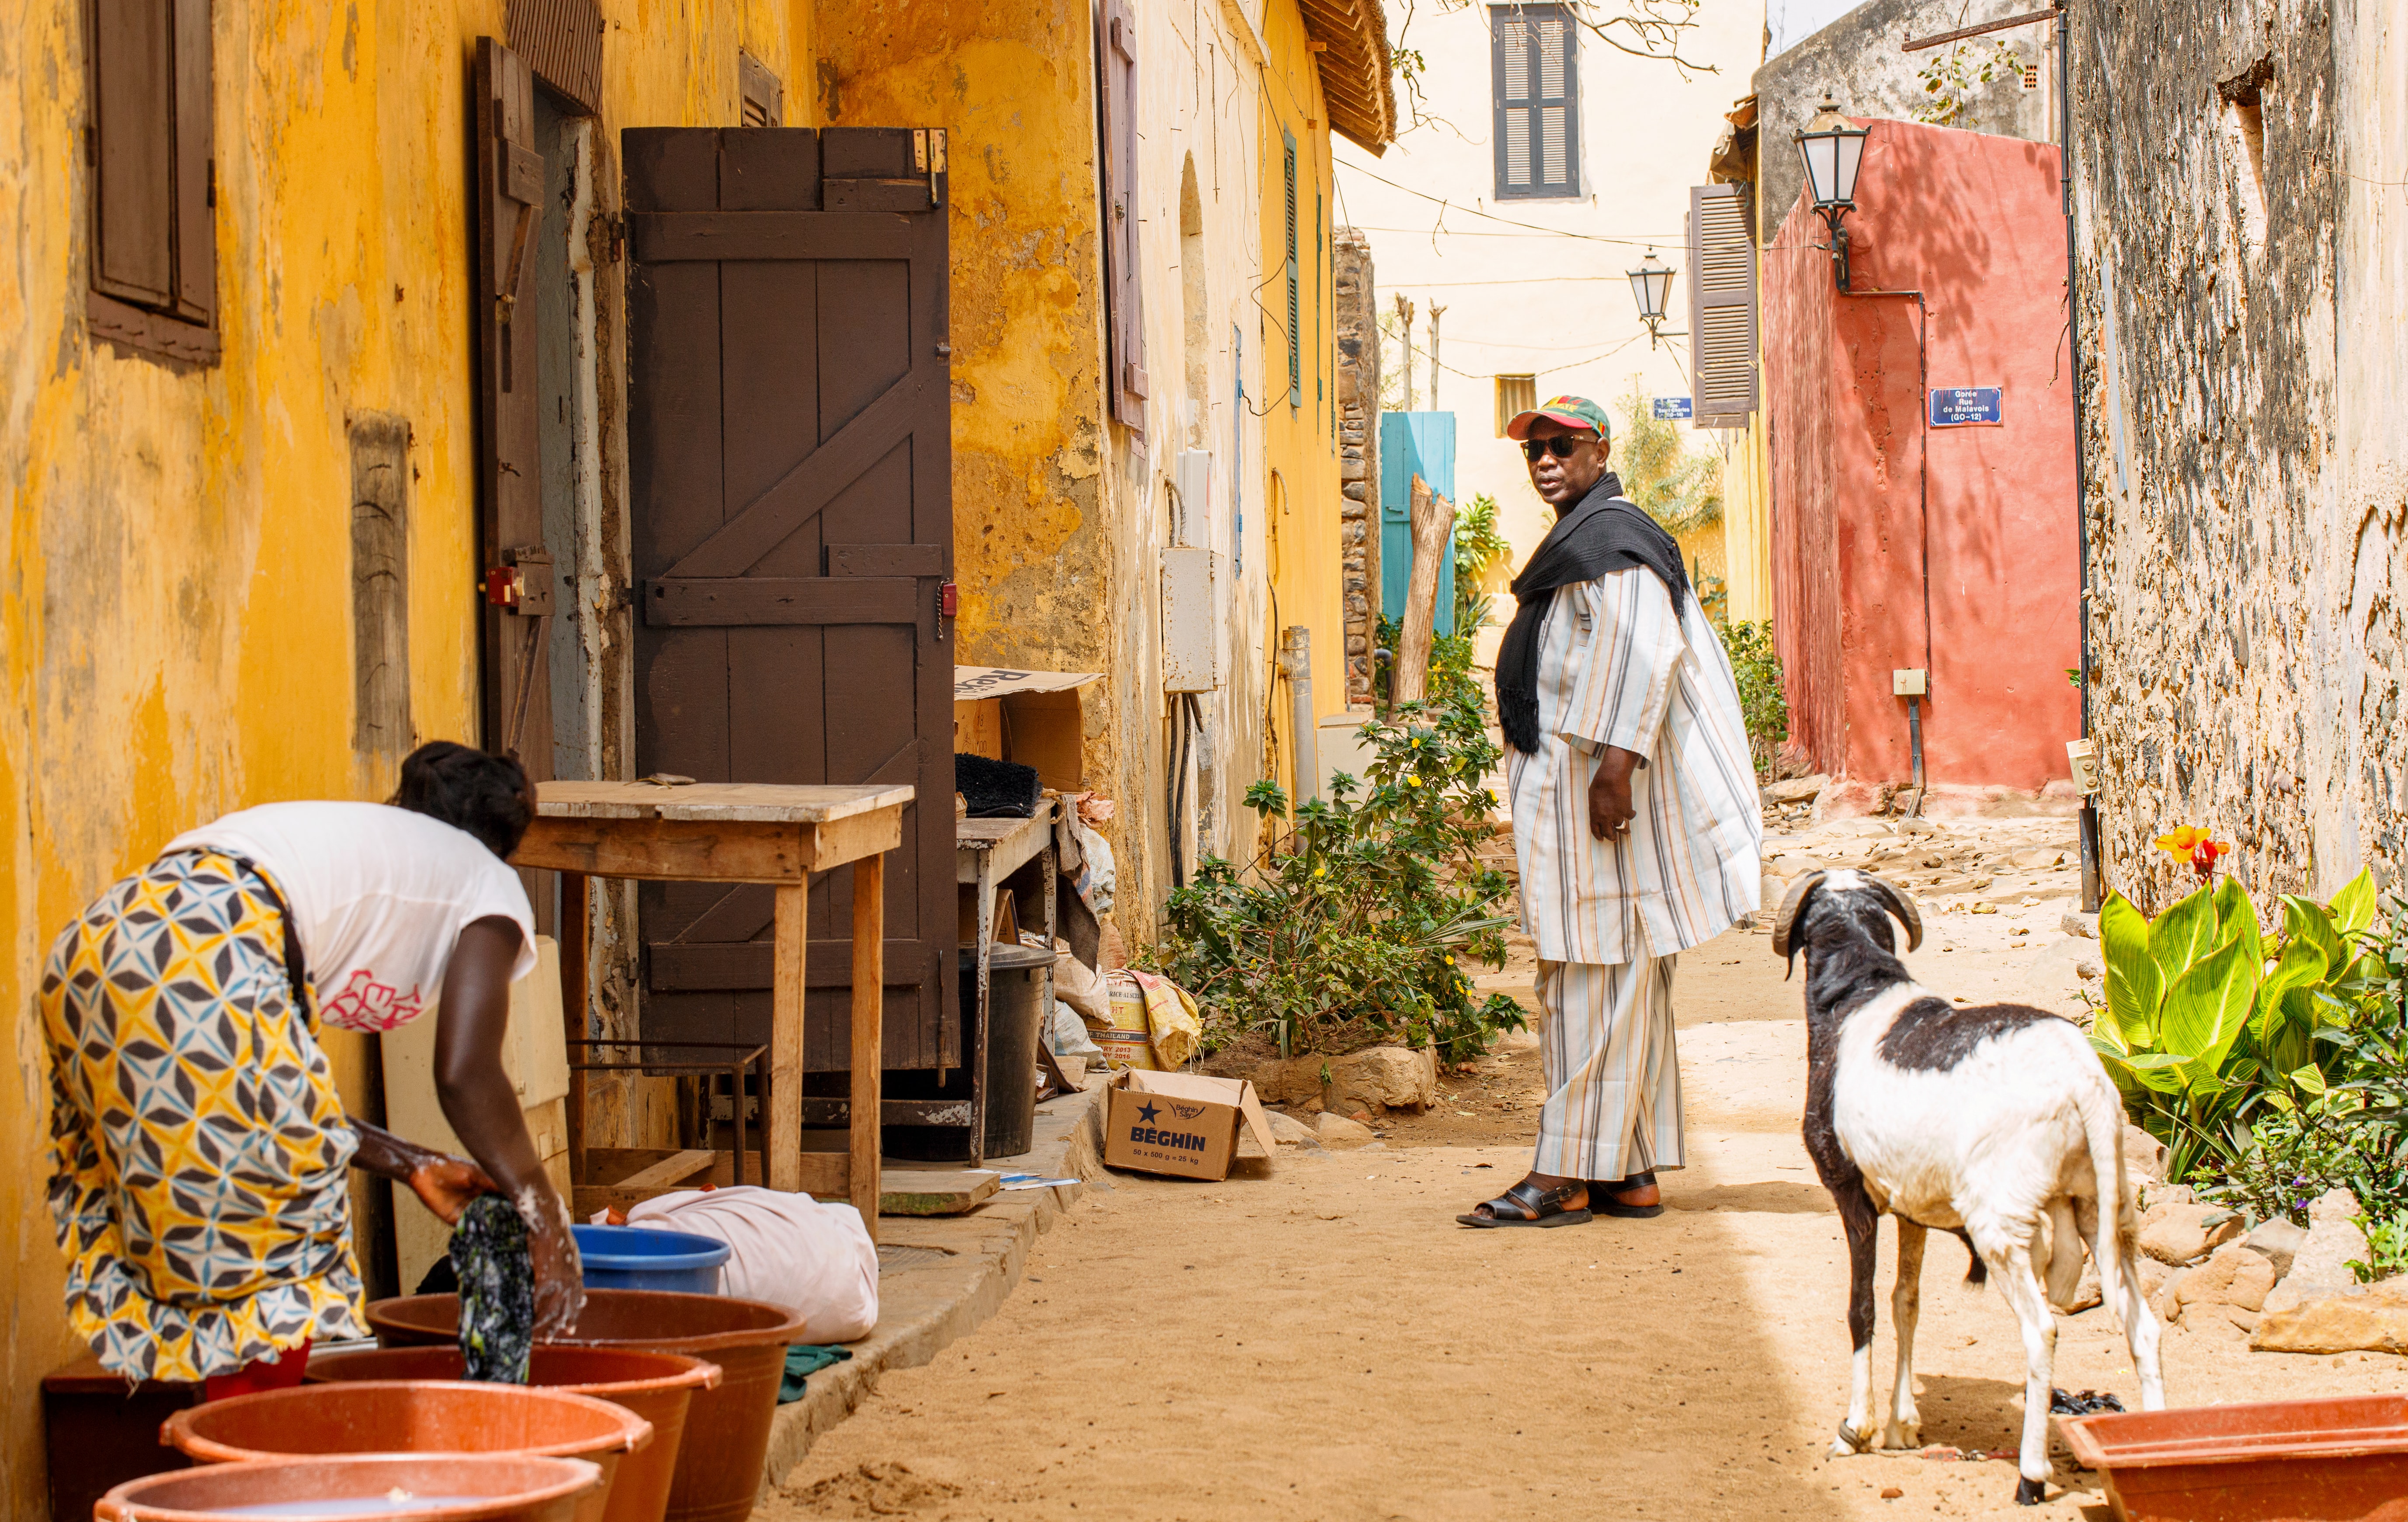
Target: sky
point(1792, 22)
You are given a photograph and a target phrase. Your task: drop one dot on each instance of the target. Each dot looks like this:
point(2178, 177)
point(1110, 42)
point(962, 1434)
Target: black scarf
point(1603, 532)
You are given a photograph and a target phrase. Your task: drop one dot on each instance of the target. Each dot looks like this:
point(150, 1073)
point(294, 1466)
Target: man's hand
point(448, 1184)
point(1609, 793)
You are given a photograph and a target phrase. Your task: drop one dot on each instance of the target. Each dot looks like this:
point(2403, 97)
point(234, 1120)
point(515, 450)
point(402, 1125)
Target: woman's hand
point(448, 1184)
point(559, 1274)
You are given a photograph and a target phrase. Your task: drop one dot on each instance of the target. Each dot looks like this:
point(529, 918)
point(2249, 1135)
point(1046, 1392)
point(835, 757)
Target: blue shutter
point(1414, 443)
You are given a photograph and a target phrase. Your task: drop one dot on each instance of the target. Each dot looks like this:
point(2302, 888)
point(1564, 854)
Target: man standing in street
point(1635, 819)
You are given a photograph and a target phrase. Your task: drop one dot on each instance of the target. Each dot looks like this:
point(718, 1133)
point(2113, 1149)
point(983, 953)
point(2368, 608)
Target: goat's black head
point(1825, 905)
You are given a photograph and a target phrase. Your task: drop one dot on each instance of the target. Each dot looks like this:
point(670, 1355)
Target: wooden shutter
point(1722, 306)
point(1534, 53)
point(1295, 339)
point(562, 43)
point(761, 95)
point(517, 585)
point(1127, 325)
point(151, 148)
point(790, 503)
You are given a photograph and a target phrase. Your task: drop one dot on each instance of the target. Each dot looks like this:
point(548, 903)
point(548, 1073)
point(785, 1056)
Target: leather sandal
point(1527, 1204)
point(1605, 1196)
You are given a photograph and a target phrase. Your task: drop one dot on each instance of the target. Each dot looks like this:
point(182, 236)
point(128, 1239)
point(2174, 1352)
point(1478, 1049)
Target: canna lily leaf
point(2205, 1010)
point(2353, 907)
point(2304, 919)
point(2236, 918)
point(2303, 962)
point(2135, 987)
point(2308, 1080)
point(2184, 935)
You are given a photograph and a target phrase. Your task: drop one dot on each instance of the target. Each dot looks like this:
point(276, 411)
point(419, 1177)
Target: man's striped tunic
point(1616, 668)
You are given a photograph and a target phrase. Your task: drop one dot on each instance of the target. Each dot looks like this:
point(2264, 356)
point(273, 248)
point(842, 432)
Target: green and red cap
point(1570, 411)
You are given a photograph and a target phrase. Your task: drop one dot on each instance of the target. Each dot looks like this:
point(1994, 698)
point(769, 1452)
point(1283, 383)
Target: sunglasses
point(1561, 446)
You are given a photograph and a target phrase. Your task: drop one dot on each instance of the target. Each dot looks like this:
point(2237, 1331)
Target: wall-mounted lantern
point(1651, 285)
point(1834, 150)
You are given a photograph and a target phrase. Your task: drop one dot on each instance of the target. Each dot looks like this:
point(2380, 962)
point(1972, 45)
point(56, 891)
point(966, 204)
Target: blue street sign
point(1673, 409)
point(1955, 407)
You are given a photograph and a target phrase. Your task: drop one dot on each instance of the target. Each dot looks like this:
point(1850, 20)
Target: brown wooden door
point(515, 574)
point(791, 470)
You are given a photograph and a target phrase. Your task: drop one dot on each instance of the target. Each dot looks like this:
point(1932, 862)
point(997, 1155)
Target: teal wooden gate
point(1414, 443)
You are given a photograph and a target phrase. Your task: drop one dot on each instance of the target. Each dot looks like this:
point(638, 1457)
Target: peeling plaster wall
point(2244, 364)
point(175, 606)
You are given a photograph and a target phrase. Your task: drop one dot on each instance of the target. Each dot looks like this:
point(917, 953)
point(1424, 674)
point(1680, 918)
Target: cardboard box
point(1033, 718)
point(1182, 1124)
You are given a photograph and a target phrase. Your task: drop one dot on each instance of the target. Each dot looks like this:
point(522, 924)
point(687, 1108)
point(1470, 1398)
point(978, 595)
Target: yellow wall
point(1747, 525)
point(1299, 443)
point(175, 612)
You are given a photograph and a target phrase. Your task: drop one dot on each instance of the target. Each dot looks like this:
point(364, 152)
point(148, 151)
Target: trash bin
point(1015, 991)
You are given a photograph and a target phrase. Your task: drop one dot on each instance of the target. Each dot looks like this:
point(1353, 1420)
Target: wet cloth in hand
point(488, 1253)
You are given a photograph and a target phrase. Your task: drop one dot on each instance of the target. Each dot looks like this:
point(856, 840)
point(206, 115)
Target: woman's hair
point(469, 789)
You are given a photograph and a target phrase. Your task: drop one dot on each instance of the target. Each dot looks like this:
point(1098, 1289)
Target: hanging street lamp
point(1834, 150)
point(1651, 284)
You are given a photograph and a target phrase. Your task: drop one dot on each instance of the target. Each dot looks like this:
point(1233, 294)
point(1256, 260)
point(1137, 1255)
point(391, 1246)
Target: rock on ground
point(2320, 1266)
point(2364, 1319)
point(1287, 1131)
point(2232, 1275)
point(1801, 790)
point(2144, 1155)
point(1337, 1131)
point(2280, 1242)
point(2184, 1231)
point(1375, 1079)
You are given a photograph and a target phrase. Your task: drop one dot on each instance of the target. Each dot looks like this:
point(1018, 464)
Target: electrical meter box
point(1191, 620)
point(1912, 683)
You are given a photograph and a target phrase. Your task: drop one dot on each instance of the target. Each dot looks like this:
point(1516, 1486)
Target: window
point(761, 97)
point(1534, 54)
point(1515, 395)
point(1722, 307)
point(153, 177)
point(1295, 339)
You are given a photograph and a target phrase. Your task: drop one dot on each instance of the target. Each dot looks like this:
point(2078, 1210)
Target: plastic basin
point(640, 1258)
point(658, 1386)
point(510, 1487)
point(727, 1429)
point(413, 1416)
point(2342, 1460)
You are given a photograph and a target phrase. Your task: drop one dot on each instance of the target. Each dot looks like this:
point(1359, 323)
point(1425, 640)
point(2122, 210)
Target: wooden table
point(986, 852)
point(740, 833)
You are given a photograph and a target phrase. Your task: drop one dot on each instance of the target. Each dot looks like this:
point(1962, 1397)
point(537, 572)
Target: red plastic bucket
point(658, 1386)
point(509, 1488)
point(423, 1417)
point(2342, 1460)
point(727, 1429)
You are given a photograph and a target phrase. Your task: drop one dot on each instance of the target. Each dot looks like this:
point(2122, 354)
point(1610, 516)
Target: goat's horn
point(1787, 921)
point(1900, 905)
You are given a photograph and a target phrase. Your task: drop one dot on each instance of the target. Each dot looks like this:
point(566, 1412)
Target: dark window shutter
point(132, 149)
point(196, 167)
point(1722, 307)
point(1295, 340)
point(1127, 317)
point(562, 43)
point(1534, 68)
point(763, 97)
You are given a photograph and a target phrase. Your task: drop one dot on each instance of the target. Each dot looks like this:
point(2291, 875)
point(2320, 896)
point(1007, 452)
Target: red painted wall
point(1975, 223)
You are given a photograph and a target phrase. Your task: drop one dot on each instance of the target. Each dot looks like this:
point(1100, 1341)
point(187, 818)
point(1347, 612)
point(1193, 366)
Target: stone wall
point(1357, 331)
point(2244, 354)
point(1857, 61)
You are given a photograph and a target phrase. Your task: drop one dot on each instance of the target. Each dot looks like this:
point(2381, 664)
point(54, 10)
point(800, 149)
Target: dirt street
point(1323, 1342)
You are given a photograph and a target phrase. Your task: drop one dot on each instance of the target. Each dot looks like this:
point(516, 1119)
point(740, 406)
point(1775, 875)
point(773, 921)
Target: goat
point(1980, 1121)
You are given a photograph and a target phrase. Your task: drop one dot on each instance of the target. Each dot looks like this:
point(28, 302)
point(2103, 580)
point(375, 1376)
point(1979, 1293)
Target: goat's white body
point(2023, 1128)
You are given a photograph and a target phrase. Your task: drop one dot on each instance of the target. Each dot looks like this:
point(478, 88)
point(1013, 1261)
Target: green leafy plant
point(2387, 1245)
point(1682, 491)
point(2206, 1024)
point(1480, 547)
point(1762, 702)
point(1355, 925)
point(1952, 76)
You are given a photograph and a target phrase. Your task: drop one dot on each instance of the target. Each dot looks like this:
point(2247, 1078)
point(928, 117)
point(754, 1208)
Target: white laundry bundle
point(789, 1249)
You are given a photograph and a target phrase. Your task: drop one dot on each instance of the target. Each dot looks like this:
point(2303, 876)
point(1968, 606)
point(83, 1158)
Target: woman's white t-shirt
point(378, 895)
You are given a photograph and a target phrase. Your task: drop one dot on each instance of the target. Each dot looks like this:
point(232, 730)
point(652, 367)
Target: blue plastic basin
point(639, 1258)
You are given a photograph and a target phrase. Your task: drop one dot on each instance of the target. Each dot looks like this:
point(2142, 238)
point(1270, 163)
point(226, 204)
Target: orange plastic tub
point(420, 1416)
point(658, 1386)
point(2343, 1460)
point(727, 1429)
point(479, 1488)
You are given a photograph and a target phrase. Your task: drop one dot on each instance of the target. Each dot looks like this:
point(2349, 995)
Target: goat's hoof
point(1903, 1435)
point(1852, 1442)
point(2031, 1492)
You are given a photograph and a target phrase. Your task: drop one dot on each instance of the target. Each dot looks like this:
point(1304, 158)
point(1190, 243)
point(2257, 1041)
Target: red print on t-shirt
point(365, 1004)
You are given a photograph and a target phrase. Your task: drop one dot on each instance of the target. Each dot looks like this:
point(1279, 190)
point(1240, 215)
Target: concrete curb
point(924, 1307)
